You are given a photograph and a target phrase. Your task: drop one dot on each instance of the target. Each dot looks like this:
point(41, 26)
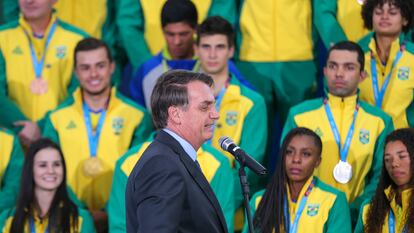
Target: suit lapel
point(195, 173)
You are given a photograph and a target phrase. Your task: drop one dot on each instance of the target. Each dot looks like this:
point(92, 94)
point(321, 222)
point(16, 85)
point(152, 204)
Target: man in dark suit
point(166, 191)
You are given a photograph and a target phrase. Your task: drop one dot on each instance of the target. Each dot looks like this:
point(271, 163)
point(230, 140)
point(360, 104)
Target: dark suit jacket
point(167, 192)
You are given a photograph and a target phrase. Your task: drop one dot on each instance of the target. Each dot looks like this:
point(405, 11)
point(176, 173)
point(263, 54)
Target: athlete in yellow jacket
point(96, 126)
point(351, 130)
point(35, 63)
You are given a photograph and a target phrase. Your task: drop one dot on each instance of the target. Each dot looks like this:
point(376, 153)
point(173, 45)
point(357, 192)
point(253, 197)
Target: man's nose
point(214, 114)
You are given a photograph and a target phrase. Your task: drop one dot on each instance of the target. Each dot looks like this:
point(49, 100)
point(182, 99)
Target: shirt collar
point(188, 148)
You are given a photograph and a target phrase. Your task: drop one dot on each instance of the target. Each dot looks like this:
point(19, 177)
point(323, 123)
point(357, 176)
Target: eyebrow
point(208, 102)
point(398, 152)
point(346, 63)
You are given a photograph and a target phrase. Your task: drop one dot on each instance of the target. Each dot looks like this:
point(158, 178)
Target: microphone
point(244, 159)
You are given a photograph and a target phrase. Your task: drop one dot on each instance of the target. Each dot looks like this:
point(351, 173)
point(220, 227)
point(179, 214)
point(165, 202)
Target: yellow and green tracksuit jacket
point(326, 209)
point(366, 149)
point(85, 222)
point(215, 166)
point(11, 163)
point(149, 23)
point(242, 118)
point(16, 68)
point(399, 96)
point(114, 21)
point(338, 20)
point(275, 31)
point(403, 210)
point(125, 125)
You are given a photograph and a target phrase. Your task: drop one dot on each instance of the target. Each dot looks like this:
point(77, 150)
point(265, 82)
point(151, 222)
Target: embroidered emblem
point(403, 73)
point(61, 51)
point(17, 50)
point(364, 136)
point(319, 132)
point(117, 125)
point(312, 209)
point(231, 117)
point(71, 125)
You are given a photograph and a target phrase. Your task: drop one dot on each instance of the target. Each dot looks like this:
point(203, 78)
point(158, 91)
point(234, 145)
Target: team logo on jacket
point(61, 51)
point(364, 136)
point(17, 50)
point(403, 73)
point(71, 125)
point(231, 117)
point(312, 209)
point(117, 125)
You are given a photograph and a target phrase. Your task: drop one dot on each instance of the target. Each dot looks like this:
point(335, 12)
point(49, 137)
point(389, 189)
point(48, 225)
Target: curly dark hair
point(406, 7)
point(380, 206)
point(270, 216)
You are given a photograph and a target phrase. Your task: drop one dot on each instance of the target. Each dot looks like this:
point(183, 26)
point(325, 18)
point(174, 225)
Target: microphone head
point(225, 142)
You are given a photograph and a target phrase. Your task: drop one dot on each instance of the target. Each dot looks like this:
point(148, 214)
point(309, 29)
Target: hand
point(29, 133)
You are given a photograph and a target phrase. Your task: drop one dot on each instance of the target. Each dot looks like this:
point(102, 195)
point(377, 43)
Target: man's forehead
point(213, 39)
point(343, 56)
point(178, 27)
point(199, 90)
point(91, 56)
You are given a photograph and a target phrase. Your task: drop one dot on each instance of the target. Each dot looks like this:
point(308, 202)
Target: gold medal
point(39, 86)
point(92, 167)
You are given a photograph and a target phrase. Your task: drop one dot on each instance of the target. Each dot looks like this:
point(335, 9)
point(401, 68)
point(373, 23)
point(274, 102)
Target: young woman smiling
point(44, 204)
point(295, 200)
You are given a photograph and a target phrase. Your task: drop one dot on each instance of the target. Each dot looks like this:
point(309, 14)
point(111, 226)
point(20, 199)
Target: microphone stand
point(245, 190)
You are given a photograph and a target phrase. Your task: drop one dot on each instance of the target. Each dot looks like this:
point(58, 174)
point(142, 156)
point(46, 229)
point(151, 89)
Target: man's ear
point(231, 54)
point(363, 76)
point(174, 114)
point(112, 67)
point(319, 161)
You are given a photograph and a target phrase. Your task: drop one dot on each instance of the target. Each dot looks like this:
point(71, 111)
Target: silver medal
point(342, 172)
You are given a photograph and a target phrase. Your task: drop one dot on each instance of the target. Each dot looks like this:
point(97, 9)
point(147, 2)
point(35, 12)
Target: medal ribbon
point(33, 228)
point(343, 152)
point(391, 223)
point(293, 227)
point(93, 139)
point(38, 64)
point(379, 94)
